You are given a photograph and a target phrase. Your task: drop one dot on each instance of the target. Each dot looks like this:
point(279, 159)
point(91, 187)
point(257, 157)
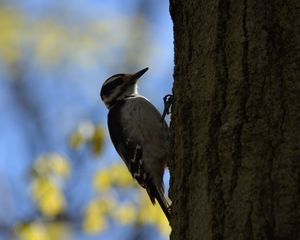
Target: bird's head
point(120, 86)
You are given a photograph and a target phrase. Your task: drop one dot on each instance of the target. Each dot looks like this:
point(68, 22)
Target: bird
point(138, 133)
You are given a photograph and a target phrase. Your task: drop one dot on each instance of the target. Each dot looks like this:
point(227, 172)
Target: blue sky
point(40, 112)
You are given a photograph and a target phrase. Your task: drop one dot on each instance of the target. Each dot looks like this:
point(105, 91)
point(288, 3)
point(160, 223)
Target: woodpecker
point(138, 133)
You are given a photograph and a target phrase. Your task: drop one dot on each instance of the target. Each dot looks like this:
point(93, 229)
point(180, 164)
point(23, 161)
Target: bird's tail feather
point(158, 194)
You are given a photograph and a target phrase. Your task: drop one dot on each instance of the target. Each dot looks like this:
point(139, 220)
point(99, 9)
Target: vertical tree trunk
point(235, 168)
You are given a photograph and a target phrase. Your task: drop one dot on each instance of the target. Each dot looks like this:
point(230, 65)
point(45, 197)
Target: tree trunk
point(235, 166)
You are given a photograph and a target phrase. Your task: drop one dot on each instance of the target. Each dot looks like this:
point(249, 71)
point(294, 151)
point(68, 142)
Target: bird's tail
point(158, 194)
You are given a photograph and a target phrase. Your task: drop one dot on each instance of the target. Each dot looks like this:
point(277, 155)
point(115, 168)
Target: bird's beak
point(134, 77)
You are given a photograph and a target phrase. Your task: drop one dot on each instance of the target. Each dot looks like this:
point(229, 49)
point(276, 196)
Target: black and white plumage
point(138, 133)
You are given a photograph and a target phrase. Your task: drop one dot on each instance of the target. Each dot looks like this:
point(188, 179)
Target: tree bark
point(235, 162)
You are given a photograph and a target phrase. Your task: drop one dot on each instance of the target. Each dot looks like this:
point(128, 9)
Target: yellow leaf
point(11, 35)
point(102, 180)
point(48, 196)
point(76, 139)
point(97, 140)
point(94, 220)
point(52, 163)
point(94, 224)
point(150, 214)
point(53, 204)
point(59, 165)
point(100, 206)
point(163, 224)
point(33, 231)
point(125, 214)
point(59, 231)
point(117, 175)
point(120, 176)
point(43, 231)
point(41, 165)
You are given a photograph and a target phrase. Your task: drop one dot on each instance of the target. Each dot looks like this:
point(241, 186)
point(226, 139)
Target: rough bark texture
point(235, 168)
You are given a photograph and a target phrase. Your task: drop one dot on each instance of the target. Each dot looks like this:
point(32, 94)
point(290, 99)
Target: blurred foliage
point(41, 231)
point(139, 212)
point(51, 170)
point(90, 134)
point(52, 164)
point(50, 41)
point(94, 215)
point(116, 175)
point(46, 191)
point(48, 196)
point(10, 28)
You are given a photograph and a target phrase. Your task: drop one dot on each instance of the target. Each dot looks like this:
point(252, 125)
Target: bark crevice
point(215, 182)
point(244, 96)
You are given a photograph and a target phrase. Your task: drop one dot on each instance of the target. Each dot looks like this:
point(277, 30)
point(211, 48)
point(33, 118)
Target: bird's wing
point(136, 131)
point(127, 145)
point(126, 131)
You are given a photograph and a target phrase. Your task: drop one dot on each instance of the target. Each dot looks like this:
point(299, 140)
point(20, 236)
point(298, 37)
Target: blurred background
point(60, 177)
